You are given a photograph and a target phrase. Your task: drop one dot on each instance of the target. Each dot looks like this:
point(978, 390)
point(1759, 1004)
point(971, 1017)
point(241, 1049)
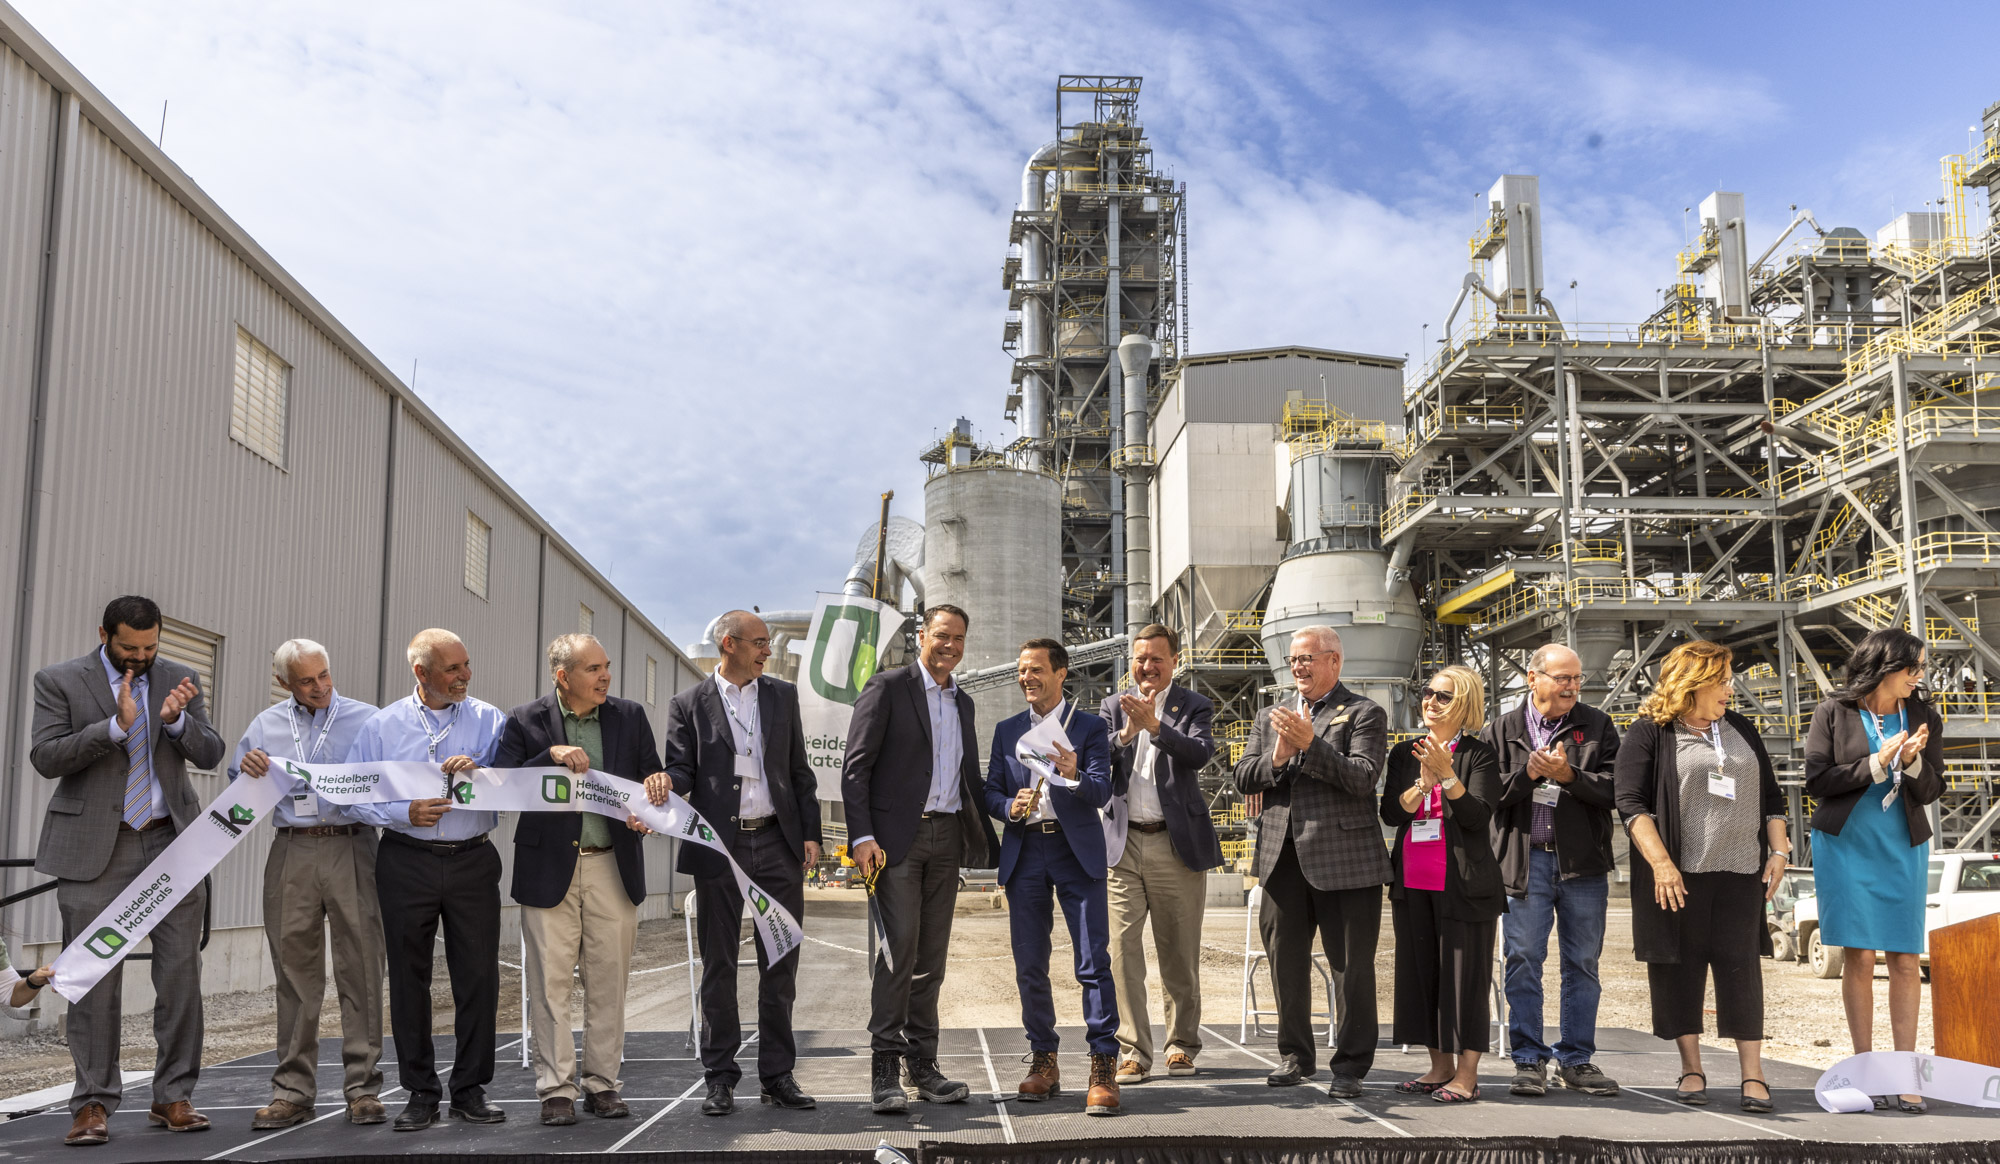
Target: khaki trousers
point(311, 884)
point(1150, 880)
point(592, 933)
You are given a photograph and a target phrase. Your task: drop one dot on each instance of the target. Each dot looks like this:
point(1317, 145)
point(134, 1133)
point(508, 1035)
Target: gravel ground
point(1802, 1013)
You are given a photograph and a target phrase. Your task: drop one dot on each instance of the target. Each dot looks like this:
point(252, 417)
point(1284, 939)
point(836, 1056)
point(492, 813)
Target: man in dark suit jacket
point(1161, 845)
point(119, 728)
point(911, 789)
point(1320, 857)
point(580, 878)
point(1053, 848)
point(1552, 836)
point(736, 750)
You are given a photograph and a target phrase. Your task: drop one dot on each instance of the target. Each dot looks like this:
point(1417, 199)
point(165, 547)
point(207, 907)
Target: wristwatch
point(34, 985)
point(1448, 782)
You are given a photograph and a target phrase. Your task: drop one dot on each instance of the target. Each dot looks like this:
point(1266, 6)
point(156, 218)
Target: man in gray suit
point(119, 728)
point(1320, 858)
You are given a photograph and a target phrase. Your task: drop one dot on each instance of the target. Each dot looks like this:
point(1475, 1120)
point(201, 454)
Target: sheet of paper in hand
point(1036, 751)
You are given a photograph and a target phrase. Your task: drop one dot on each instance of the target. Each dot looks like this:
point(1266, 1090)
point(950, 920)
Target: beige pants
point(592, 933)
point(312, 884)
point(1150, 880)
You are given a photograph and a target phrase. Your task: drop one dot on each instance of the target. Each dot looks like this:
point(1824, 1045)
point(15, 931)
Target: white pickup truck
point(1962, 886)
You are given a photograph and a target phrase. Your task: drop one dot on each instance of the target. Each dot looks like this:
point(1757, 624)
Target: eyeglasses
point(1295, 660)
point(1561, 680)
point(760, 644)
point(1433, 695)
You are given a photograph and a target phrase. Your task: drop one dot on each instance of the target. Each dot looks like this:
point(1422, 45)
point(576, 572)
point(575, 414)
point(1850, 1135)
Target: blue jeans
point(1576, 908)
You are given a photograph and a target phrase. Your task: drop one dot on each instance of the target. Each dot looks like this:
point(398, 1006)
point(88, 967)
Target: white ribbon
point(248, 800)
point(1853, 1083)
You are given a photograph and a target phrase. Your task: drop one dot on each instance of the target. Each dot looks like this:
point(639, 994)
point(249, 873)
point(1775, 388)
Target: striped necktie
point(139, 781)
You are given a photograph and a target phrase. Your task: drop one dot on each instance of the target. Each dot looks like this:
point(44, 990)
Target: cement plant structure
point(1795, 449)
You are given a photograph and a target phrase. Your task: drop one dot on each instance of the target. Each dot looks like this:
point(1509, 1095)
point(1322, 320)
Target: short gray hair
point(563, 650)
point(292, 652)
point(732, 625)
point(1327, 637)
point(424, 647)
point(1539, 661)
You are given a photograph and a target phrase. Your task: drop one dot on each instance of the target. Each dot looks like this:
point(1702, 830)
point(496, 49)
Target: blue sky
point(701, 280)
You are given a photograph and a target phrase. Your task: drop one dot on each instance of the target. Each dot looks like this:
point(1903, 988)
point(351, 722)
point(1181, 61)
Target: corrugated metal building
point(183, 420)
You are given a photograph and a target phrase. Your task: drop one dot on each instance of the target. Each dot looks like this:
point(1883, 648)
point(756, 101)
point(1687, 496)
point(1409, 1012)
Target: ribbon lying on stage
point(249, 800)
point(1853, 1083)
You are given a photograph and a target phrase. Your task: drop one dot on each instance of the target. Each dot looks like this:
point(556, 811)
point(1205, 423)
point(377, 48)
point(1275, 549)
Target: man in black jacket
point(579, 878)
point(1552, 834)
point(914, 799)
point(736, 749)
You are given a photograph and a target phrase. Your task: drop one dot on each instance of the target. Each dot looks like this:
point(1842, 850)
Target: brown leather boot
point(1044, 1077)
point(1102, 1098)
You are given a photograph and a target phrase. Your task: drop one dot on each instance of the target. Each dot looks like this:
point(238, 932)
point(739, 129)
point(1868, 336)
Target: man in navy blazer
point(579, 878)
point(736, 750)
point(1053, 850)
point(1161, 846)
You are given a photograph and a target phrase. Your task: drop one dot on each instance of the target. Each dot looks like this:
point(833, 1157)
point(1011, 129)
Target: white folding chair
point(1253, 1017)
point(694, 968)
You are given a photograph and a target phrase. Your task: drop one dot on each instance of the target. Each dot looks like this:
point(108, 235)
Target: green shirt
point(587, 732)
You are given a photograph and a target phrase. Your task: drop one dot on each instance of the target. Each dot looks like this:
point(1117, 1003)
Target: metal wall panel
point(1250, 388)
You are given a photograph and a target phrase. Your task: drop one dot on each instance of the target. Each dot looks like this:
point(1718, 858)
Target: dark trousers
point(95, 1022)
point(719, 908)
point(1444, 976)
point(1719, 935)
point(1349, 924)
point(917, 896)
point(1047, 872)
point(418, 888)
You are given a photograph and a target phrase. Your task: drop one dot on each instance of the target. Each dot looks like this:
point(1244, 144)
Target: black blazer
point(545, 843)
point(1583, 813)
point(701, 758)
point(1837, 770)
point(1649, 783)
point(886, 777)
point(1185, 743)
point(1472, 888)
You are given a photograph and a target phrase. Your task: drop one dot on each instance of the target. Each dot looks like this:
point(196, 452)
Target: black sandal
point(1696, 1098)
point(1750, 1103)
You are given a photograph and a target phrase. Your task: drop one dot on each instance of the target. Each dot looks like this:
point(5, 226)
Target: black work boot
point(931, 1085)
point(886, 1084)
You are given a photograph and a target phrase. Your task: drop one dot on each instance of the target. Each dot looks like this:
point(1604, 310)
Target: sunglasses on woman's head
point(1432, 694)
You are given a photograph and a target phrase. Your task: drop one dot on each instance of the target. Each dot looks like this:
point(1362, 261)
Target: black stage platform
point(1225, 1113)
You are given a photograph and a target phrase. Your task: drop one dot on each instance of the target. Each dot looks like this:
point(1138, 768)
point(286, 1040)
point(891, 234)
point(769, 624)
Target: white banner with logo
point(843, 648)
point(249, 800)
point(1853, 1083)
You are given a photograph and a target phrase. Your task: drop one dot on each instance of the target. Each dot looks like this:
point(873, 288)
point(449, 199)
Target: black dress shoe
point(784, 1091)
point(473, 1109)
point(1289, 1073)
point(721, 1097)
point(1343, 1087)
point(420, 1113)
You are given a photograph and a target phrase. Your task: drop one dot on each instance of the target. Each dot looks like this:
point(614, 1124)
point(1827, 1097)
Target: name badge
point(1424, 831)
point(305, 804)
point(1723, 786)
point(747, 769)
point(1895, 790)
point(1547, 792)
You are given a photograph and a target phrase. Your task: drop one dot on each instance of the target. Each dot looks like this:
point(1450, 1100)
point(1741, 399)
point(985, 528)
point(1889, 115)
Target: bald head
point(1555, 678)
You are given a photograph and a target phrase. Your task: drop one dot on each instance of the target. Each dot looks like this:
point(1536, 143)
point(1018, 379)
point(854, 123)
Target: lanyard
point(1713, 734)
point(1549, 729)
point(292, 721)
point(436, 736)
point(749, 732)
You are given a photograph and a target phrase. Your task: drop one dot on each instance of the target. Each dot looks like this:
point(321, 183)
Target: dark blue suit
point(1039, 868)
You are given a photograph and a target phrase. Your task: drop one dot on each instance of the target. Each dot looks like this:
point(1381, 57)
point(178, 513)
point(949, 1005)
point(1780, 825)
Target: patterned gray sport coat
point(1324, 798)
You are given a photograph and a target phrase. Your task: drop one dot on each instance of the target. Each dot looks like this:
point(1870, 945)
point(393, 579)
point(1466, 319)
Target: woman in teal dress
point(1874, 762)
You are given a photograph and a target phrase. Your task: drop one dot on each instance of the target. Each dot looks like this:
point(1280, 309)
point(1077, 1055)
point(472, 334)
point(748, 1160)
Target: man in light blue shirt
point(435, 864)
point(321, 873)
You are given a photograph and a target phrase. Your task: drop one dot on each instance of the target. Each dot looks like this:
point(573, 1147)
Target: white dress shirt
point(1142, 794)
point(739, 707)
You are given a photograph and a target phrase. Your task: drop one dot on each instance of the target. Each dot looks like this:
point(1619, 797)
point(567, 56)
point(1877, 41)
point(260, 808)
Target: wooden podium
point(1965, 1007)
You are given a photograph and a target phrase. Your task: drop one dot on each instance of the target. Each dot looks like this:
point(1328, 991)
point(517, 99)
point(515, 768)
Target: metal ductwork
point(1135, 465)
point(1034, 414)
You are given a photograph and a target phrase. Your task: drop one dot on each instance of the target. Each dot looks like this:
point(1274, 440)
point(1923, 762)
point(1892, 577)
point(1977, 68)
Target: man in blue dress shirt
point(321, 873)
point(436, 864)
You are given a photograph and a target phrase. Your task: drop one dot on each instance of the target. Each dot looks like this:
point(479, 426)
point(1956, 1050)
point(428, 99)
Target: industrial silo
point(1334, 572)
point(991, 547)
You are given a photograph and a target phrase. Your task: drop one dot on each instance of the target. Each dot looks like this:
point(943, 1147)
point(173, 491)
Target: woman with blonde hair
point(1702, 807)
point(1446, 895)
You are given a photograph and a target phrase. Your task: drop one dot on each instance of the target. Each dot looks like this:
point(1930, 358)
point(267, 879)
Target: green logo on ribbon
point(106, 943)
point(240, 816)
point(302, 773)
point(462, 792)
point(555, 789)
point(758, 901)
